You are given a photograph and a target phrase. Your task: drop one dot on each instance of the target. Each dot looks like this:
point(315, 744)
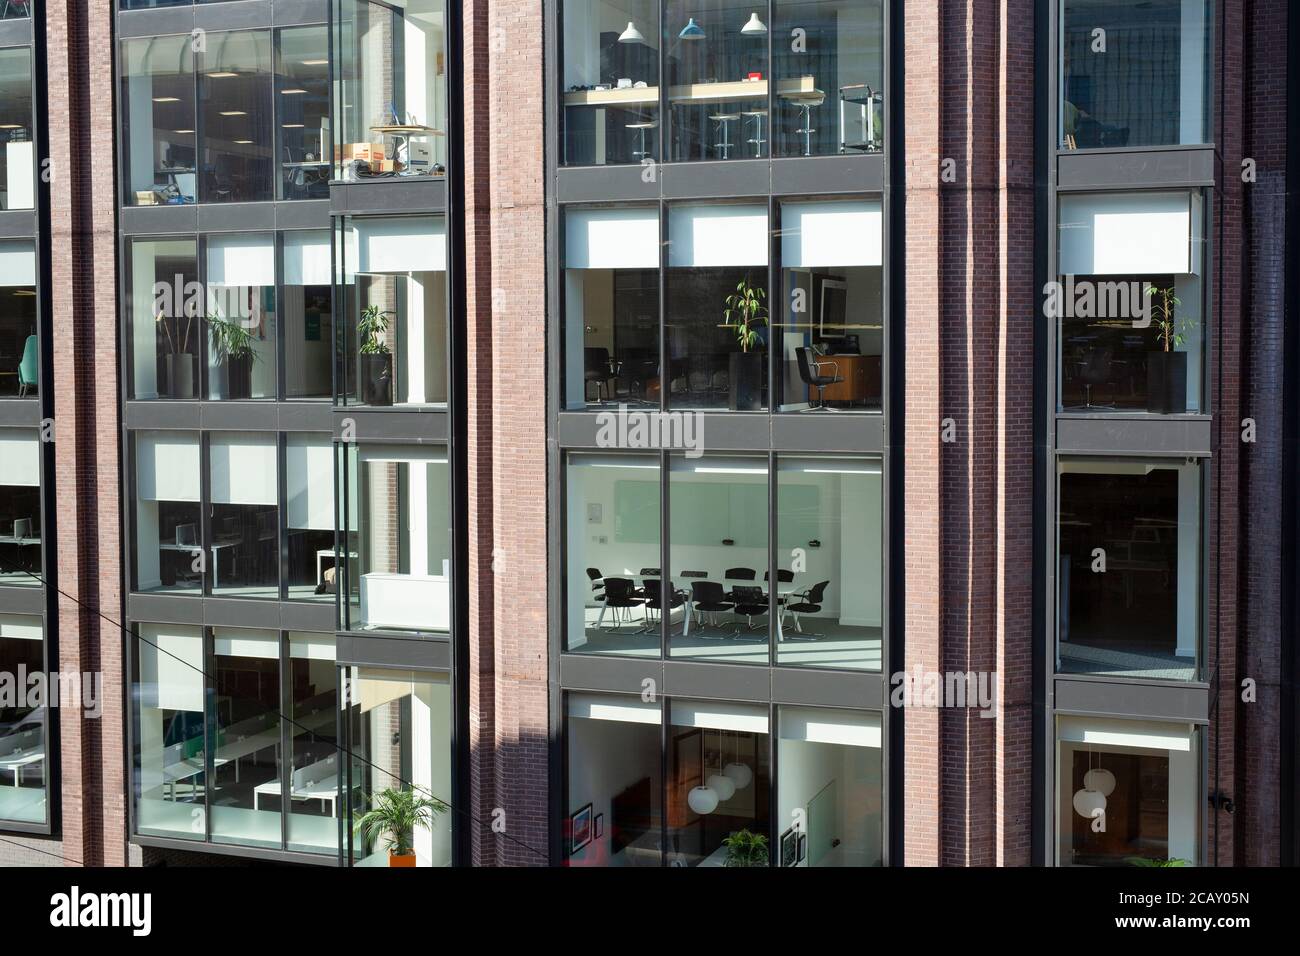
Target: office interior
point(23, 765)
point(20, 508)
point(18, 168)
point(19, 354)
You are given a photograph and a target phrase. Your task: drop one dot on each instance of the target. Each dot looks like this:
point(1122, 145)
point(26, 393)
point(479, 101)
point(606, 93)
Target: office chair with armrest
point(740, 574)
point(750, 601)
point(810, 602)
point(620, 597)
point(811, 374)
point(1096, 371)
point(707, 597)
point(654, 601)
point(598, 368)
point(27, 367)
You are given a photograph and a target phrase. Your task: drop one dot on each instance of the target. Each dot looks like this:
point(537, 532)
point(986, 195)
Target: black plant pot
point(239, 377)
point(180, 375)
point(1167, 382)
point(375, 378)
point(746, 380)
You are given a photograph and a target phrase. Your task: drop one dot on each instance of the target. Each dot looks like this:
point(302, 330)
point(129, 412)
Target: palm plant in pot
point(1167, 369)
point(375, 361)
point(178, 362)
point(745, 313)
point(232, 346)
point(394, 816)
point(745, 848)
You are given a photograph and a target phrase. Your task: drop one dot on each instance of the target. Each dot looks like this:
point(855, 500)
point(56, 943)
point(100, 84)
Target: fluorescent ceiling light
point(292, 126)
point(10, 126)
point(182, 131)
point(233, 113)
point(611, 464)
point(24, 292)
point(222, 74)
point(713, 470)
point(291, 92)
point(166, 99)
point(314, 62)
point(243, 142)
point(865, 470)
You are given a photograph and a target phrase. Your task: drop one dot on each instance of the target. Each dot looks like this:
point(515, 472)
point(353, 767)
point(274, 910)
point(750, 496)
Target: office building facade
point(812, 433)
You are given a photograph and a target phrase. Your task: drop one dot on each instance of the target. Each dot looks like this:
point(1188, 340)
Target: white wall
point(805, 769)
point(607, 757)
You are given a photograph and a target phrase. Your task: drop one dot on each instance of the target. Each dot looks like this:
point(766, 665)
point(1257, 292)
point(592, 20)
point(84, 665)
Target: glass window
point(829, 788)
point(167, 551)
point(171, 775)
point(716, 306)
point(614, 815)
point(399, 539)
point(19, 351)
point(309, 498)
point(612, 553)
point(158, 123)
point(241, 316)
point(1130, 302)
point(18, 9)
point(307, 302)
point(245, 804)
point(1128, 792)
point(611, 81)
point(395, 287)
point(243, 523)
point(1129, 568)
point(23, 768)
point(18, 171)
point(831, 335)
point(235, 110)
point(830, 78)
point(829, 562)
point(718, 517)
point(715, 65)
point(20, 507)
point(719, 785)
point(1134, 74)
point(611, 306)
point(165, 319)
point(400, 726)
point(302, 99)
point(392, 88)
point(146, 4)
point(314, 702)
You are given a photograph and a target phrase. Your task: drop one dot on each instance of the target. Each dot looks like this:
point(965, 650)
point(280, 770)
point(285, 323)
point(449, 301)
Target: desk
point(15, 763)
point(321, 555)
point(731, 91)
point(216, 547)
point(404, 132)
point(326, 791)
point(861, 374)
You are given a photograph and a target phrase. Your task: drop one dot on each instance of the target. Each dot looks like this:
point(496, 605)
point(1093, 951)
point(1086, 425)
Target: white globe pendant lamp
point(631, 34)
point(754, 27)
point(1088, 802)
point(740, 774)
point(722, 785)
point(703, 800)
point(1100, 780)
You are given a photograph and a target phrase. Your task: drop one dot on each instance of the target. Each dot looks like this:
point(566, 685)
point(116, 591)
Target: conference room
point(20, 508)
point(23, 767)
point(825, 609)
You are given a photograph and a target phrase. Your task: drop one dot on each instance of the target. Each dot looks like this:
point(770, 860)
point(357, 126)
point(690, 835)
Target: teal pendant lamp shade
point(692, 31)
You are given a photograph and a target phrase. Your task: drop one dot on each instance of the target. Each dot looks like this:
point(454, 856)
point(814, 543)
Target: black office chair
point(740, 574)
point(620, 597)
point(811, 374)
point(809, 602)
point(694, 574)
point(707, 597)
point(750, 601)
point(597, 584)
point(782, 576)
point(1096, 371)
point(597, 368)
point(654, 602)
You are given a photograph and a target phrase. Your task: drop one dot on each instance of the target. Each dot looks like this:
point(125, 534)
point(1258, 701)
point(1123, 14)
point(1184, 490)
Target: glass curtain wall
point(17, 132)
point(23, 766)
point(20, 507)
point(235, 110)
point(167, 550)
point(243, 515)
point(241, 316)
point(302, 100)
point(19, 350)
point(159, 133)
point(307, 305)
point(165, 319)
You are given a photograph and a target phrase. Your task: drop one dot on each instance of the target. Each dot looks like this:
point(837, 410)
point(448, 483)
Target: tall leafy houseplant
point(233, 346)
point(745, 312)
point(1167, 369)
point(394, 816)
point(1144, 861)
point(745, 848)
point(375, 362)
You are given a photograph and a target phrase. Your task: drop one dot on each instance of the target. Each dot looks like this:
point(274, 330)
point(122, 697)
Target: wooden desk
point(726, 92)
point(861, 374)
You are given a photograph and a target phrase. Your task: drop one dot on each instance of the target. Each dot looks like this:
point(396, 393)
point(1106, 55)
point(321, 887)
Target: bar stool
point(724, 121)
point(641, 153)
point(757, 142)
point(807, 102)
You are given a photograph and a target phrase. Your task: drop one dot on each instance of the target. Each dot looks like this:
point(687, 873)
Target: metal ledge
point(423, 195)
point(268, 416)
point(1165, 436)
point(22, 600)
point(846, 433)
point(20, 413)
point(268, 615)
point(417, 424)
point(1147, 700)
point(415, 653)
point(1167, 167)
point(18, 224)
point(16, 32)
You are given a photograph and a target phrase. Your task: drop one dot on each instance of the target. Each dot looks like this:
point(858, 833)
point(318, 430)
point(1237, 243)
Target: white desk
point(326, 791)
point(15, 763)
point(216, 547)
point(321, 555)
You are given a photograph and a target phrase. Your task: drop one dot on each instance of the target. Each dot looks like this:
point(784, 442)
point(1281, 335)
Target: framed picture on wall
point(599, 826)
point(803, 847)
point(790, 847)
point(580, 829)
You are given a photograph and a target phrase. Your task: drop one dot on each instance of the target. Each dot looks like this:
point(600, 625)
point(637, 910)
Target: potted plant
point(1167, 369)
point(746, 849)
point(178, 362)
point(745, 314)
point(394, 816)
point(375, 362)
point(1146, 861)
point(232, 346)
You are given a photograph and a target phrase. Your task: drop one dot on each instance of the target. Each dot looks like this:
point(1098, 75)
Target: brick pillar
point(506, 306)
point(84, 317)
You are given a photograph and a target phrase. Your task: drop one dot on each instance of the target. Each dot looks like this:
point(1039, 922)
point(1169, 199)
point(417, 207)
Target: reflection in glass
point(314, 773)
point(235, 112)
point(167, 550)
point(19, 352)
point(309, 497)
point(20, 507)
point(165, 319)
point(1134, 74)
point(241, 316)
point(302, 99)
point(307, 303)
point(246, 799)
point(171, 777)
point(159, 131)
point(399, 725)
point(611, 81)
point(22, 726)
point(718, 517)
point(18, 170)
point(1129, 568)
point(243, 524)
point(612, 550)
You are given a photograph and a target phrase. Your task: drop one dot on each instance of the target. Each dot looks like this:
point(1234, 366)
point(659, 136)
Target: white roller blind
point(243, 469)
point(375, 688)
point(426, 454)
point(1146, 734)
point(719, 716)
point(717, 236)
point(17, 264)
point(166, 466)
point(628, 710)
point(1126, 234)
point(820, 234)
point(23, 627)
point(241, 260)
point(400, 245)
point(20, 460)
point(309, 470)
point(307, 258)
point(304, 646)
point(243, 642)
point(611, 238)
point(171, 667)
point(820, 725)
